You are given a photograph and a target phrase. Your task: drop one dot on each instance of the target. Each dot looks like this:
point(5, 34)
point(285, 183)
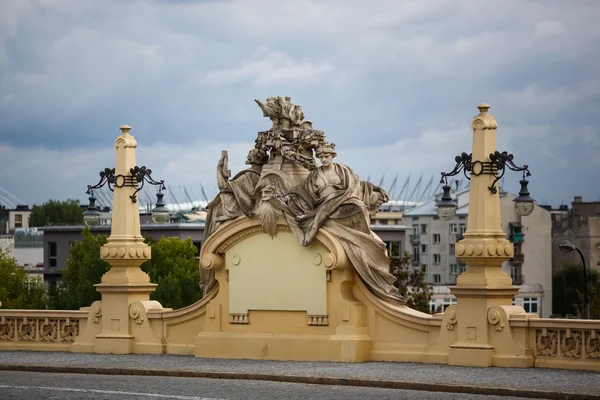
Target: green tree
point(174, 268)
point(568, 293)
point(56, 212)
point(17, 290)
point(84, 269)
point(411, 284)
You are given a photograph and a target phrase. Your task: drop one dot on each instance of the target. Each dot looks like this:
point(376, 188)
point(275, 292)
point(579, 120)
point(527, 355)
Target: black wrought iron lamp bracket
point(499, 162)
point(136, 178)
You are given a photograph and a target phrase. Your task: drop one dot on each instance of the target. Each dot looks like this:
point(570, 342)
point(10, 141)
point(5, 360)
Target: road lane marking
point(66, 389)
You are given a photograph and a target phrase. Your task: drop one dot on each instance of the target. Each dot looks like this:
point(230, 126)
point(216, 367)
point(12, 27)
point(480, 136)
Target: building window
point(437, 278)
point(393, 249)
point(431, 306)
point(415, 218)
point(424, 268)
point(448, 302)
point(452, 248)
point(383, 221)
point(437, 238)
point(453, 228)
point(462, 217)
point(424, 248)
point(18, 220)
point(415, 254)
point(416, 230)
point(423, 229)
point(454, 269)
point(530, 304)
point(52, 255)
point(463, 228)
point(462, 267)
point(436, 217)
point(437, 258)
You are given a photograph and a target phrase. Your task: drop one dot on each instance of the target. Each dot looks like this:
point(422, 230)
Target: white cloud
point(276, 67)
point(390, 81)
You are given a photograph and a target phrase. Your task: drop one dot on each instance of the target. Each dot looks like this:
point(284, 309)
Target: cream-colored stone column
point(125, 251)
point(484, 248)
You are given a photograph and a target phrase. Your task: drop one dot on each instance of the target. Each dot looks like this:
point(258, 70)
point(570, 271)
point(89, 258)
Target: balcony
point(415, 239)
point(518, 258)
point(517, 237)
point(416, 263)
point(517, 277)
point(52, 271)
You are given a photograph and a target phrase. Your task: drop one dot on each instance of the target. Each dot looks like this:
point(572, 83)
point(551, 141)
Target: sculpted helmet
point(327, 148)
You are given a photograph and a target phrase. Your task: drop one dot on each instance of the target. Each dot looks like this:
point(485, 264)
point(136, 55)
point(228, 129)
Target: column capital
point(484, 120)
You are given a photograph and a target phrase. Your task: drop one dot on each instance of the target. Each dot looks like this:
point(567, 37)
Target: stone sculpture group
point(284, 181)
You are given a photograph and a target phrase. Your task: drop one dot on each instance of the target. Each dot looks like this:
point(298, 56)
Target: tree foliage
point(174, 268)
point(84, 269)
point(568, 292)
point(56, 212)
point(17, 290)
point(411, 284)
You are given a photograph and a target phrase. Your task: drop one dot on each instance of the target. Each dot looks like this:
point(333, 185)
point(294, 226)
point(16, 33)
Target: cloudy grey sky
point(393, 83)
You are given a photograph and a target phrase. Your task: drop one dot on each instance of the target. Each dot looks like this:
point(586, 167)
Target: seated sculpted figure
point(334, 199)
point(235, 198)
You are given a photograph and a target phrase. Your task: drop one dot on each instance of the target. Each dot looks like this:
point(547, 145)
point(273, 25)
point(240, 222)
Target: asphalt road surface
point(37, 385)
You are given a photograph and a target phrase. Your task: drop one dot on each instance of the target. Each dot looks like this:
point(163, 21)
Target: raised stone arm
point(223, 173)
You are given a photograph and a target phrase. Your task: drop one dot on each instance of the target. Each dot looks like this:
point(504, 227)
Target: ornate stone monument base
point(281, 301)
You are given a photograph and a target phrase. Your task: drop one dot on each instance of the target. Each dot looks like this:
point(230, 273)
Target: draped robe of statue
point(340, 208)
point(230, 203)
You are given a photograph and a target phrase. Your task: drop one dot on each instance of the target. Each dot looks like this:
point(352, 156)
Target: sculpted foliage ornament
point(284, 181)
point(38, 329)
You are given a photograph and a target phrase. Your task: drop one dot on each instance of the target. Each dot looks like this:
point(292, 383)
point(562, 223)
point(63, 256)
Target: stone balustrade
point(40, 329)
point(564, 343)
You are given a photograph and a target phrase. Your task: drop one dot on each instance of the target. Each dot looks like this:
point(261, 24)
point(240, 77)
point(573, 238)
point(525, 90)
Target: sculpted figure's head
point(265, 190)
point(326, 153)
point(256, 156)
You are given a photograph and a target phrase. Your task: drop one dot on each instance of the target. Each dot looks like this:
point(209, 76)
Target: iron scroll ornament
point(136, 178)
point(497, 165)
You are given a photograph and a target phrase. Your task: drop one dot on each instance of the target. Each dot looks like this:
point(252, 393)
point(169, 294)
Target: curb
point(330, 381)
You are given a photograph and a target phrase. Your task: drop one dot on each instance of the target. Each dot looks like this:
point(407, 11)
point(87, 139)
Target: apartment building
point(18, 218)
point(431, 243)
point(59, 239)
point(581, 226)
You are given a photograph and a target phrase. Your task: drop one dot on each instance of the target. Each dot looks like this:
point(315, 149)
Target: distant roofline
point(182, 226)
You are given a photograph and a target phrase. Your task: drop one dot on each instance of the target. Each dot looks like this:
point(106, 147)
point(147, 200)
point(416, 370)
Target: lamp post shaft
point(125, 250)
point(125, 283)
point(586, 301)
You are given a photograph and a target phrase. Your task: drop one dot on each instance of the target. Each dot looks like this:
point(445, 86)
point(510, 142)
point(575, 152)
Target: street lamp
point(91, 216)
point(160, 213)
point(567, 247)
point(499, 162)
point(137, 175)
point(446, 208)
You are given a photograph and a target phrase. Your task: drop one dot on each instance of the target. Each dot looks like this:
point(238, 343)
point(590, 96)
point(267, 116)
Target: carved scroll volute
point(96, 311)
point(451, 318)
point(212, 261)
point(137, 312)
point(497, 317)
